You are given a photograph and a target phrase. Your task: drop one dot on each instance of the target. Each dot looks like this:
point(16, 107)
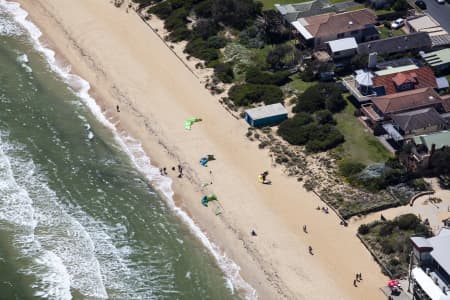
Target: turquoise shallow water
point(77, 219)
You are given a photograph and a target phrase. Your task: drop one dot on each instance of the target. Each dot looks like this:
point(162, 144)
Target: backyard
point(360, 145)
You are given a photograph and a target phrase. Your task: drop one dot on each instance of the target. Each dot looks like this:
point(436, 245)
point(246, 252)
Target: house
point(382, 108)
point(412, 42)
point(342, 48)
point(431, 275)
point(404, 81)
point(438, 60)
point(418, 122)
point(293, 12)
point(315, 31)
point(266, 115)
point(433, 141)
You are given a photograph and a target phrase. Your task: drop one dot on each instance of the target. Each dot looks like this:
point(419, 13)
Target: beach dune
point(128, 65)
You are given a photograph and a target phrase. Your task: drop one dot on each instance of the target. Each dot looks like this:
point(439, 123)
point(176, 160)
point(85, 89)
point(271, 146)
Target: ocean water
point(83, 214)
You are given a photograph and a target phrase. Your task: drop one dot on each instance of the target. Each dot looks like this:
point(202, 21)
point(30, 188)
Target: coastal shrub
point(408, 222)
point(349, 168)
point(205, 28)
point(198, 48)
point(324, 117)
point(256, 76)
point(363, 229)
point(252, 37)
point(386, 228)
point(246, 94)
point(203, 9)
point(162, 10)
point(235, 13)
point(176, 19)
point(179, 34)
point(224, 71)
point(324, 137)
point(217, 42)
point(283, 56)
point(320, 96)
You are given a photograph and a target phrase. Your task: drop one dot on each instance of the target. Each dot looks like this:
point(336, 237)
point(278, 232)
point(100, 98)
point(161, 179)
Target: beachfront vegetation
point(247, 93)
point(389, 241)
point(256, 76)
point(320, 96)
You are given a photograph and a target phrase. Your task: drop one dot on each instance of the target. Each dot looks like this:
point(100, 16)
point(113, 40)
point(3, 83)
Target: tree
point(235, 13)
point(320, 96)
point(283, 56)
point(274, 29)
point(400, 5)
point(440, 161)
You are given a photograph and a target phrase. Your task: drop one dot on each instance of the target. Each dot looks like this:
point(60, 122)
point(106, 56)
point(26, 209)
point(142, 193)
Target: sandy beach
point(128, 65)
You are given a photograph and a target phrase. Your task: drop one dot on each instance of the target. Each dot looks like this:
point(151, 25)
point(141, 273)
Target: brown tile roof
point(333, 24)
point(446, 102)
point(424, 76)
point(409, 100)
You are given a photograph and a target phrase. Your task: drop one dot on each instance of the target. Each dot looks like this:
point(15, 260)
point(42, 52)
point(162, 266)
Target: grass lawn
point(298, 84)
point(269, 4)
point(384, 32)
point(360, 145)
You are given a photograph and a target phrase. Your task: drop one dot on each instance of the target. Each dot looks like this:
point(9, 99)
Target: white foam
point(16, 209)
point(9, 27)
point(23, 60)
point(135, 151)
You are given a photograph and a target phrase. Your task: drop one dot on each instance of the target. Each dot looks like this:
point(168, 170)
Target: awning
point(428, 286)
point(303, 31)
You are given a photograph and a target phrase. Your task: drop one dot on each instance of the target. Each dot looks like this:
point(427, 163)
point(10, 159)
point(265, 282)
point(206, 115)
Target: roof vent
point(431, 98)
point(350, 22)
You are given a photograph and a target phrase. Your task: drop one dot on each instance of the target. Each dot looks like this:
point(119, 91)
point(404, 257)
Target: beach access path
point(127, 64)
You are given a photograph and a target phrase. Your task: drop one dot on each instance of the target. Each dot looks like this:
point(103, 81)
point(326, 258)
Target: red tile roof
point(406, 101)
point(333, 24)
point(424, 77)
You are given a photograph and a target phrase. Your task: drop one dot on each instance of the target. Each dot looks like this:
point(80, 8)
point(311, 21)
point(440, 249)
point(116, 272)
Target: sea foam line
point(133, 149)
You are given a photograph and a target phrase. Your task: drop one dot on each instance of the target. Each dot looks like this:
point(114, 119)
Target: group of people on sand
point(358, 278)
point(324, 209)
point(163, 171)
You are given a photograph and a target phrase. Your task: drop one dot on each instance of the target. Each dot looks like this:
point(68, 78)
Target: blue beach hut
point(266, 115)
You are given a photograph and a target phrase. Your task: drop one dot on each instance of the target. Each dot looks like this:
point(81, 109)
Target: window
point(354, 32)
point(340, 35)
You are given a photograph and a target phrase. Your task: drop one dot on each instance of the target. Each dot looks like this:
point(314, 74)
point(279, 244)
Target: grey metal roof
point(266, 111)
point(292, 12)
point(442, 83)
point(441, 249)
point(390, 129)
point(437, 58)
point(421, 242)
point(416, 119)
point(413, 41)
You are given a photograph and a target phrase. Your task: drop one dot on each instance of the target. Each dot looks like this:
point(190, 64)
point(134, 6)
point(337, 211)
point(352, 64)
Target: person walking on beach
point(354, 283)
point(305, 230)
point(117, 108)
point(310, 249)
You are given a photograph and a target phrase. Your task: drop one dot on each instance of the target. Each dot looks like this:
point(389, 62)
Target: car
point(397, 23)
point(421, 4)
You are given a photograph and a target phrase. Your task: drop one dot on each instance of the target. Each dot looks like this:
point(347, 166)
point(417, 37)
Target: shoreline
point(276, 260)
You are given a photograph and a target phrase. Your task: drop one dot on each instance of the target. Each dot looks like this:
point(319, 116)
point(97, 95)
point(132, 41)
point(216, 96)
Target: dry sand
point(127, 64)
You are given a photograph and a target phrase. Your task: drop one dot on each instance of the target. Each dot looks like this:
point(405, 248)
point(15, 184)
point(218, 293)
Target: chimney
point(433, 149)
point(372, 60)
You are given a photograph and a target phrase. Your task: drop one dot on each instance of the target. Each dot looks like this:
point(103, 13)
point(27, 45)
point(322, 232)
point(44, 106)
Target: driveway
point(440, 12)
